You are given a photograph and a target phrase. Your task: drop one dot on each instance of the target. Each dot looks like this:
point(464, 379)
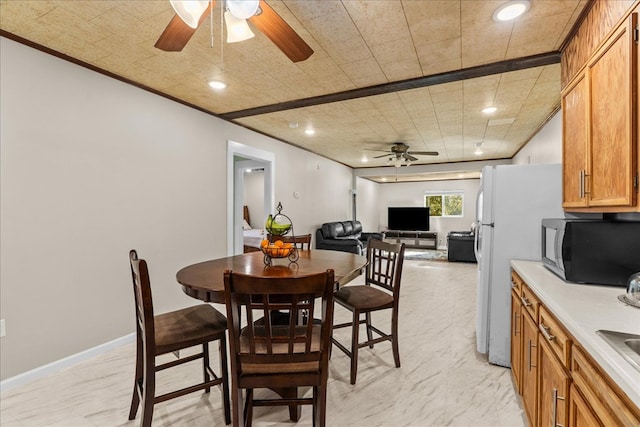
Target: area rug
point(425, 255)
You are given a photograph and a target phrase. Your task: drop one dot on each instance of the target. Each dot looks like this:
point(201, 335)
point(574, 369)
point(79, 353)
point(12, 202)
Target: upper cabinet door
point(575, 114)
point(600, 120)
point(611, 159)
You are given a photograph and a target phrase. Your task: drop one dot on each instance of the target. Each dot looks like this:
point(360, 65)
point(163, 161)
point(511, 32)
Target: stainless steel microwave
point(591, 251)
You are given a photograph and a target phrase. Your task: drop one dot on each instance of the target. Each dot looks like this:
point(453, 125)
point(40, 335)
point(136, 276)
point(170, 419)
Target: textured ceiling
point(357, 45)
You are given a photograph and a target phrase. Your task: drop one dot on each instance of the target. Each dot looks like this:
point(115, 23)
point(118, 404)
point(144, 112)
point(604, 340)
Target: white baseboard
point(64, 363)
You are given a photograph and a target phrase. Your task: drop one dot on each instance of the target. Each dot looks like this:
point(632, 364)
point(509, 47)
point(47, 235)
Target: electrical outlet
point(3, 330)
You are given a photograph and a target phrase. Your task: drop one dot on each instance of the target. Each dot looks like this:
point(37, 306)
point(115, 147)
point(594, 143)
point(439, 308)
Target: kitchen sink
point(627, 345)
point(634, 344)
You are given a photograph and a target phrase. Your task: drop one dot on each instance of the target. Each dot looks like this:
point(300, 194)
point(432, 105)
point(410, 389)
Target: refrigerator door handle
point(478, 226)
point(476, 241)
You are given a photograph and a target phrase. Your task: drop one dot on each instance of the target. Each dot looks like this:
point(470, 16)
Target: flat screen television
point(408, 219)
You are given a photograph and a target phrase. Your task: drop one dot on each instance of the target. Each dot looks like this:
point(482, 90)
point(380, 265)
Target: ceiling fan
point(399, 152)
point(191, 14)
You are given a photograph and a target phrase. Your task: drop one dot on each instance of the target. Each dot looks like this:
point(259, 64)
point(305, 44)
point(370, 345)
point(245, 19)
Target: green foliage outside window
point(445, 204)
point(434, 203)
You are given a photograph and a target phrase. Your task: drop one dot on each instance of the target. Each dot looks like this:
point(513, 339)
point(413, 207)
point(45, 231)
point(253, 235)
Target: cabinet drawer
point(530, 302)
point(598, 392)
point(555, 336)
point(516, 283)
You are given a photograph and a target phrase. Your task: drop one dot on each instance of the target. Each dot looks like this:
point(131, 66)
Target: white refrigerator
point(511, 203)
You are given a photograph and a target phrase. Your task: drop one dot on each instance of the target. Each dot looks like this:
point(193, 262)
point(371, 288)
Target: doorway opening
point(241, 157)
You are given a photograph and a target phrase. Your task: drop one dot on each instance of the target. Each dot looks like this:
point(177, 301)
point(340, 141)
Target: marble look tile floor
point(442, 381)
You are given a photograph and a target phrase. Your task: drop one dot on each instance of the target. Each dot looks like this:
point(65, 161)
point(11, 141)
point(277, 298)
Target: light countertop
point(584, 309)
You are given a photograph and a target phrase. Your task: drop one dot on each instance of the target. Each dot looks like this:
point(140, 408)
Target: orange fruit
point(264, 243)
point(288, 245)
point(278, 243)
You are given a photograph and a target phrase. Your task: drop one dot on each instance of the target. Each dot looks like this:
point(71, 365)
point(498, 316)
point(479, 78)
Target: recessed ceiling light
point(293, 125)
point(364, 159)
point(310, 131)
point(477, 152)
point(216, 84)
point(489, 110)
point(511, 10)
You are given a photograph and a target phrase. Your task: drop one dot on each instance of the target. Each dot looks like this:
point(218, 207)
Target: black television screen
point(408, 219)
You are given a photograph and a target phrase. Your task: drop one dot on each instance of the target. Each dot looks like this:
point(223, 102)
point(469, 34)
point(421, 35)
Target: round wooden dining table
point(205, 280)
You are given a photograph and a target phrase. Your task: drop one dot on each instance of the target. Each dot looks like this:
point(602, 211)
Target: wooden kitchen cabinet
point(607, 407)
point(516, 339)
point(580, 413)
point(524, 341)
point(554, 380)
point(600, 140)
point(575, 137)
point(530, 368)
point(559, 383)
point(553, 394)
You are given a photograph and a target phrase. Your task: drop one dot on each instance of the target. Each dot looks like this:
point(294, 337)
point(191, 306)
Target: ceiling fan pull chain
point(222, 7)
point(211, 22)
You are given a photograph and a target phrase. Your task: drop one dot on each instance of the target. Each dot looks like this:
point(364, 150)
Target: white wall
point(367, 204)
point(412, 194)
point(545, 146)
point(254, 197)
point(92, 167)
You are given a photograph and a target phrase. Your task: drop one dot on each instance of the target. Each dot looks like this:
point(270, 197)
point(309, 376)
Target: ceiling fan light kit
point(190, 11)
point(243, 9)
point(237, 29)
point(401, 155)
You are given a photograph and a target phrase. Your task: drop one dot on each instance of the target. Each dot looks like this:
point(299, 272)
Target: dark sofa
point(345, 236)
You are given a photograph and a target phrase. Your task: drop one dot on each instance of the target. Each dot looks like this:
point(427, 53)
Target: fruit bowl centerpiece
point(277, 249)
point(277, 226)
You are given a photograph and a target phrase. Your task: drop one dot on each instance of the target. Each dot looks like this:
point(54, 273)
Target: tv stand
point(413, 239)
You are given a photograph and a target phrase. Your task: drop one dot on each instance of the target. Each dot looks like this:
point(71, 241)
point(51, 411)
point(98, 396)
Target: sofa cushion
point(332, 230)
point(348, 228)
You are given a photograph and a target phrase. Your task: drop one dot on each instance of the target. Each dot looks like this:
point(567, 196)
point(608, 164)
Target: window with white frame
point(445, 203)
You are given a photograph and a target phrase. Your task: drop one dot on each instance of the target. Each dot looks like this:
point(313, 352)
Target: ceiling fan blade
point(410, 157)
point(424, 153)
point(383, 155)
point(176, 35)
point(281, 34)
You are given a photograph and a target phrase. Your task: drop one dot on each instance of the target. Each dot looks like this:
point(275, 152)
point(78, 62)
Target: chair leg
point(394, 339)
point(205, 364)
point(314, 419)
point(321, 405)
point(237, 404)
point(135, 399)
point(148, 393)
point(367, 315)
point(225, 381)
point(355, 329)
point(249, 408)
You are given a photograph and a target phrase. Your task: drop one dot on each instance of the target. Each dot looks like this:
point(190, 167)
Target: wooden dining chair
point(302, 242)
point(381, 291)
point(283, 356)
point(171, 332)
